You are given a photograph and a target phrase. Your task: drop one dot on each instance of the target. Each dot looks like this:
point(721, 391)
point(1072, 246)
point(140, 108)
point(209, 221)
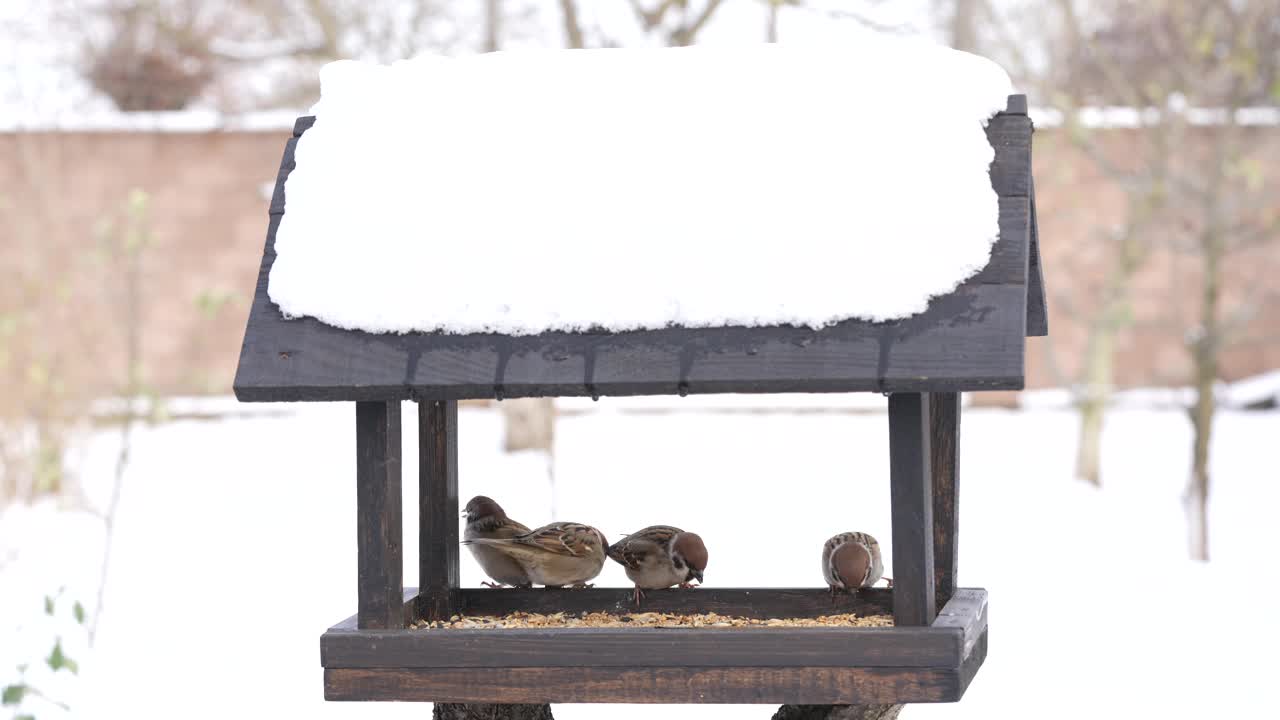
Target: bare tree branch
point(687, 34)
point(572, 26)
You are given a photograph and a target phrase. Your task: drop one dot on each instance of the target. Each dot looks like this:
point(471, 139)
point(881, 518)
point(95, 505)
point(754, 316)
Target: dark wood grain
point(944, 465)
point(874, 711)
point(644, 664)
point(1037, 306)
point(742, 602)
point(1010, 136)
point(490, 711)
point(438, 515)
point(305, 122)
point(378, 507)
point(912, 498)
point(971, 339)
point(1008, 263)
point(649, 647)
point(408, 601)
point(966, 611)
point(973, 661)
point(825, 685)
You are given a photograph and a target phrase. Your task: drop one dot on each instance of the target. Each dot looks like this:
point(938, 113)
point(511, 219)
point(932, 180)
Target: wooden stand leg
point(438, 514)
point(912, 493)
point(459, 711)
point(838, 712)
point(944, 417)
point(378, 524)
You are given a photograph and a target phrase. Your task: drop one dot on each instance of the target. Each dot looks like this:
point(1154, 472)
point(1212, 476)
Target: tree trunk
point(572, 27)
point(964, 25)
point(1095, 396)
point(492, 25)
point(837, 712)
point(530, 424)
point(1205, 350)
point(475, 711)
point(1131, 251)
point(1197, 498)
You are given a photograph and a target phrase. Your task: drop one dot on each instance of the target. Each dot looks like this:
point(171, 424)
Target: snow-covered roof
point(641, 189)
point(971, 338)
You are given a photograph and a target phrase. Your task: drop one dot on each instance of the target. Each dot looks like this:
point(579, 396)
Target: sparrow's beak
point(697, 575)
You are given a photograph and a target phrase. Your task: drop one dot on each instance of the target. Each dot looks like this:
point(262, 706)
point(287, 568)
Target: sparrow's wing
point(836, 541)
point(636, 548)
point(510, 529)
point(569, 539)
point(861, 537)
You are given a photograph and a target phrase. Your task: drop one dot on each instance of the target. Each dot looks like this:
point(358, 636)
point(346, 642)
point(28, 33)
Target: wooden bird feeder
point(970, 340)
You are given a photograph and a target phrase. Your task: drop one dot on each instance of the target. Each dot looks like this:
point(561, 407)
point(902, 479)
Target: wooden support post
point(378, 523)
point(838, 712)
point(912, 496)
point(438, 514)
point(438, 521)
point(944, 416)
point(459, 711)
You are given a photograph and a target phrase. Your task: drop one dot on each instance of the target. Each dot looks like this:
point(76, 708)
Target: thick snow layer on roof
point(621, 189)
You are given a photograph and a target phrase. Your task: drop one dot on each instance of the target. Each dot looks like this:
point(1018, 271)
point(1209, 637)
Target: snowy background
point(236, 548)
point(233, 531)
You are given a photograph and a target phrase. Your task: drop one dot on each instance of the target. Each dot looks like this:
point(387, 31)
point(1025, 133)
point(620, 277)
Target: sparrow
point(851, 560)
point(487, 519)
point(660, 556)
point(562, 553)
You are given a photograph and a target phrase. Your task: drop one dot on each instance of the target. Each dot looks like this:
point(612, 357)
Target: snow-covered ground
point(236, 548)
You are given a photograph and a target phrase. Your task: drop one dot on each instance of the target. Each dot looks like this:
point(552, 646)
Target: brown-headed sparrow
point(851, 560)
point(562, 553)
point(486, 519)
point(660, 556)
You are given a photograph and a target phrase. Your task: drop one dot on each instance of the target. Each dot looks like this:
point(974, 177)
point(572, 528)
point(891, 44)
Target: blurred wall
point(62, 192)
point(1080, 208)
point(63, 212)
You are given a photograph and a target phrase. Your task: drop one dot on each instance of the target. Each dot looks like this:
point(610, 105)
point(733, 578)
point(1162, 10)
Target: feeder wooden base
point(664, 665)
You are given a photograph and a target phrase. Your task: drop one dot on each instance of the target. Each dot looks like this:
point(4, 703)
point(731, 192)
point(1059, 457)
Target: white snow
point(236, 548)
point(1258, 390)
point(178, 121)
point(1127, 118)
point(519, 192)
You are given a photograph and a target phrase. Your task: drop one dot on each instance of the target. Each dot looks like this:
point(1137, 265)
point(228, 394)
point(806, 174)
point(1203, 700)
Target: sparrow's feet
point(889, 581)
point(687, 586)
point(638, 595)
point(488, 584)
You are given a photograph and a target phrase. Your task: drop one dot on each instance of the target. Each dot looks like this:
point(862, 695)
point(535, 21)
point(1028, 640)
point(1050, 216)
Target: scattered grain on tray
point(647, 619)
